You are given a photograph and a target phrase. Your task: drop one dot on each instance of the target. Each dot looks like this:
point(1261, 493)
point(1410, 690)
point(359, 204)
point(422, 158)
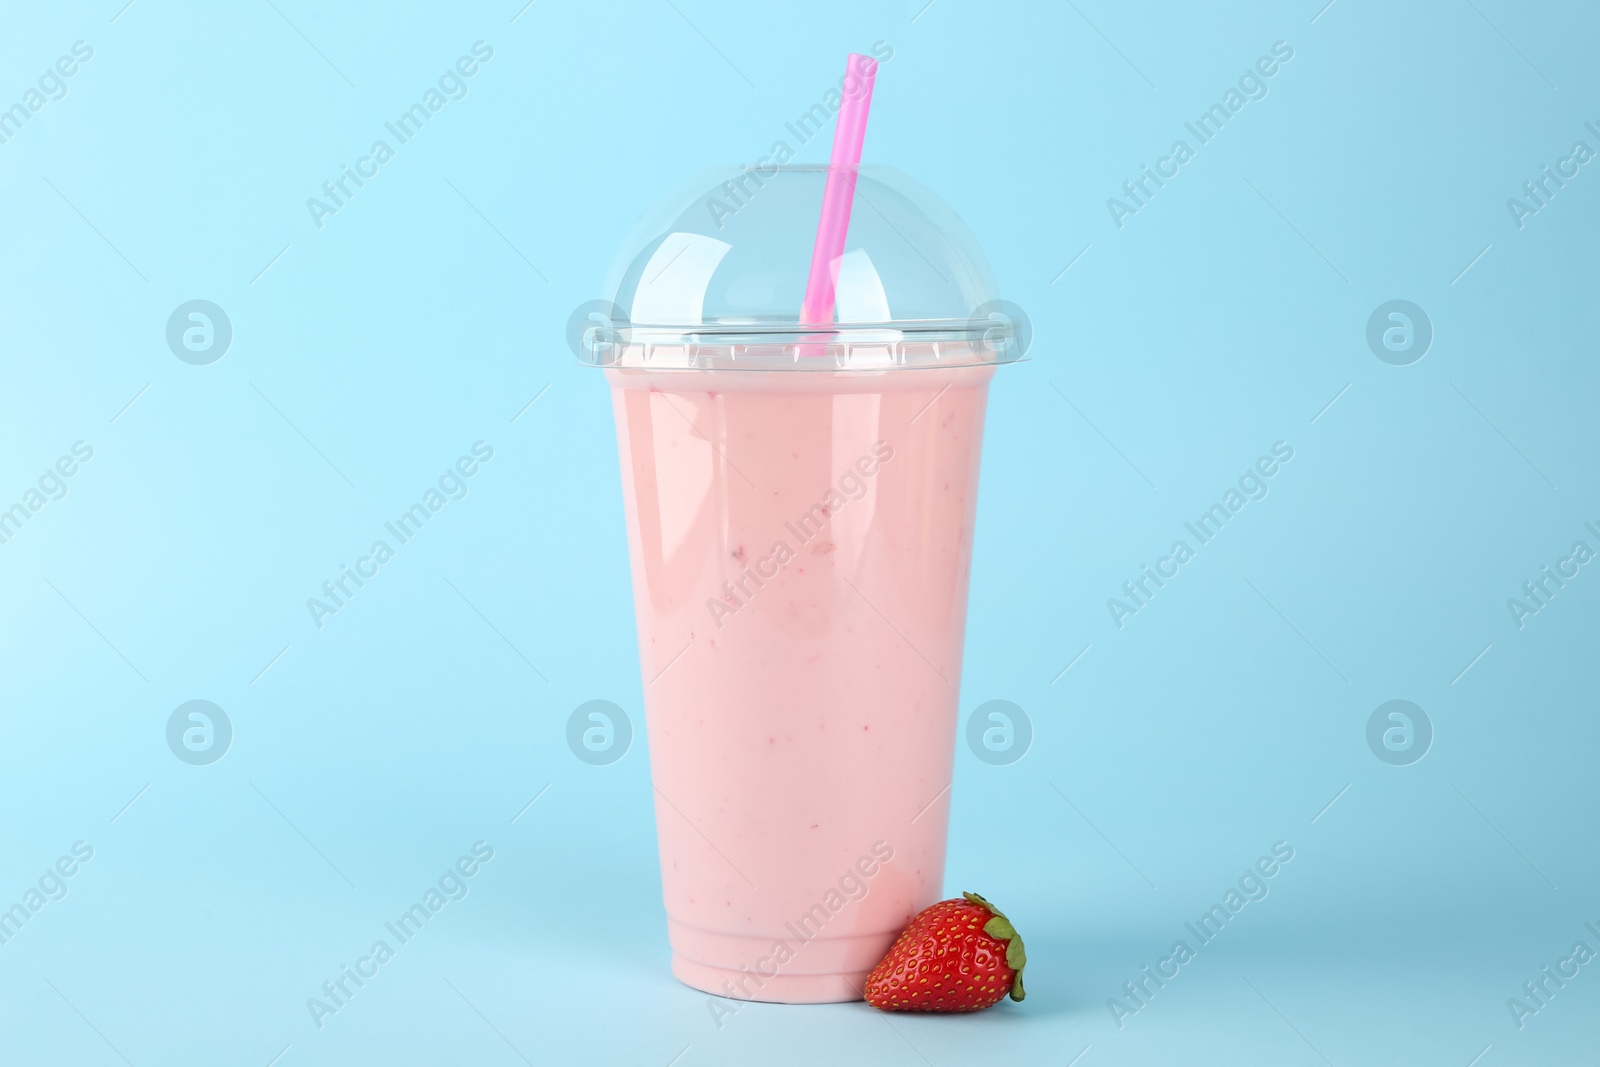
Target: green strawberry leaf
point(1000, 928)
point(1016, 957)
point(976, 899)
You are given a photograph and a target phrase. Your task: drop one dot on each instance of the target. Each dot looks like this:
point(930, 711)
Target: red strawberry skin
point(957, 955)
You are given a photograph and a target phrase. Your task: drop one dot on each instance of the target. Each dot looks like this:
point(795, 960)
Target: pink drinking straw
point(837, 197)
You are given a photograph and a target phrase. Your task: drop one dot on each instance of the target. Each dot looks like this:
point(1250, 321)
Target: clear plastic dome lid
point(716, 274)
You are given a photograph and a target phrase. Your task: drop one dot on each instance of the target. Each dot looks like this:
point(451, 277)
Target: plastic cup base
point(777, 989)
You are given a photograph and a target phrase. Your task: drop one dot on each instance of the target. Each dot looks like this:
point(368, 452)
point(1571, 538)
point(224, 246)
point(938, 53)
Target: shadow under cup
point(800, 532)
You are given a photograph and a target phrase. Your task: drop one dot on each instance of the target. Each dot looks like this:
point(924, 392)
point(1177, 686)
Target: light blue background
point(425, 315)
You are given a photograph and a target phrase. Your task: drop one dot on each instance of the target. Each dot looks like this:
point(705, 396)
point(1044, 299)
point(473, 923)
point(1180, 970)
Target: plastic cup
point(800, 530)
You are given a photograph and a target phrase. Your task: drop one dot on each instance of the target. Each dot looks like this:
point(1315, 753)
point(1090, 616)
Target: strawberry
point(957, 955)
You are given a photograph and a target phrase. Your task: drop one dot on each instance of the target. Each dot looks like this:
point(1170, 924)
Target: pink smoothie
point(800, 543)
